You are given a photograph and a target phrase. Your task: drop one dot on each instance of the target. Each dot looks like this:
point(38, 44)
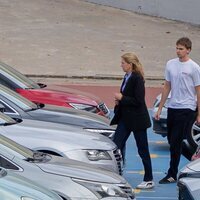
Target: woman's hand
point(118, 96)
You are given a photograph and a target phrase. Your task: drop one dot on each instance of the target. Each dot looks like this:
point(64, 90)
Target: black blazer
point(132, 109)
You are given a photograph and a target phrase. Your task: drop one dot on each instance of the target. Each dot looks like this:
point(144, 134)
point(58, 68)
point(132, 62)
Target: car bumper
point(184, 192)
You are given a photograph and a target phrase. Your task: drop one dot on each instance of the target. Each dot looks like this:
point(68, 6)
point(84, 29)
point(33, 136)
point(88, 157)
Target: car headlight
point(102, 190)
point(95, 155)
point(106, 132)
point(83, 107)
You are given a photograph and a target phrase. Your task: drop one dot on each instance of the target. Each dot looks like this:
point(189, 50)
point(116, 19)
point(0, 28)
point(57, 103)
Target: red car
point(54, 95)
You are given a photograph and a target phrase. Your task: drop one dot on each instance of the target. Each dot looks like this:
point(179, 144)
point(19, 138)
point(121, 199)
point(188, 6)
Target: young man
point(182, 78)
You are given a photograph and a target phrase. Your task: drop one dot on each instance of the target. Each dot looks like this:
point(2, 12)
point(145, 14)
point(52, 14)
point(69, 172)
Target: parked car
point(63, 140)
point(160, 126)
point(188, 189)
point(68, 178)
point(188, 181)
point(18, 107)
point(16, 187)
point(57, 95)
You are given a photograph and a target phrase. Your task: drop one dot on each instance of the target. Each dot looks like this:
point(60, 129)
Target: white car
point(63, 140)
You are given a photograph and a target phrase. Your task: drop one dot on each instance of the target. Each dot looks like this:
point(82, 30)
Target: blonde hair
point(132, 59)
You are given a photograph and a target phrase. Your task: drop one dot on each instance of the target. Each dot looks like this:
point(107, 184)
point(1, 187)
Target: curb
point(96, 77)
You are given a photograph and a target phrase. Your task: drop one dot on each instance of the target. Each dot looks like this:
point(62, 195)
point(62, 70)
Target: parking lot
point(159, 148)
point(75, 39)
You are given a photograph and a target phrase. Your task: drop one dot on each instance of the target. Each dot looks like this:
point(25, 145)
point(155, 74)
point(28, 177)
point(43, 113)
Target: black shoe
point(167, 180)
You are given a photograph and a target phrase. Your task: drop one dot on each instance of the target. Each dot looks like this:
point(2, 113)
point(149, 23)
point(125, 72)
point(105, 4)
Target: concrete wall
point(181, 10)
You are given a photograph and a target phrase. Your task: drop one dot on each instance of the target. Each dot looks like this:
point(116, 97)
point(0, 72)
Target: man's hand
point(157, 115)
point(198, 120)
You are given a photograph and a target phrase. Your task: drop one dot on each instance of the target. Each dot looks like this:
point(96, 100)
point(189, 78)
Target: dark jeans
point(179, 124)
point(120, 138)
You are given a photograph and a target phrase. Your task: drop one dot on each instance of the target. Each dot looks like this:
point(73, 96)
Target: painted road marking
point(160, 198)
point(140, 172)
point(140, 190)
point(156, 156)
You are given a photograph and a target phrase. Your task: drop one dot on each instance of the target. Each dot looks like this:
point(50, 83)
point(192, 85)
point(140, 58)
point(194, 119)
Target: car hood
point(70, 116)
point(63, 88)
point(18, 186)
point(194, 165)
point(53, 94)
point(79, 170)
point(33, 130)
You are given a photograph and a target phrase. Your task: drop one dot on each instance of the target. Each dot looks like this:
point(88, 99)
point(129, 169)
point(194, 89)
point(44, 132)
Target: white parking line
point(141, 172)
point(161, 198)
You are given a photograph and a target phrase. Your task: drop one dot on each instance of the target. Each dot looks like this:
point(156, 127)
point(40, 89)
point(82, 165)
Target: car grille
point(118, 158)
point(183, 193)
point(128, 191)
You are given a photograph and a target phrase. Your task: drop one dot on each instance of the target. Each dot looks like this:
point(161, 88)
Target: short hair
point(185, 41)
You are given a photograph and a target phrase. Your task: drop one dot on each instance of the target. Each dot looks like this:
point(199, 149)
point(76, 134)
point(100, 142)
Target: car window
point(7, 164)
point(6, 82)
point(17, 78)
point(16, 149)
point(17, 99)
point(7, 108)
point(5, 120)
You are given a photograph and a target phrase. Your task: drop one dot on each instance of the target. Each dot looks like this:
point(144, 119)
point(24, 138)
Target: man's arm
point(197, 88)
point(165, 93)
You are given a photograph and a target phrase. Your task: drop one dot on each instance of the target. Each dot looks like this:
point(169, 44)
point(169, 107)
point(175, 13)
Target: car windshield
point(6, 120)
point(12, 145)
point(18, 78)
point(17, 99)
point(19, 149)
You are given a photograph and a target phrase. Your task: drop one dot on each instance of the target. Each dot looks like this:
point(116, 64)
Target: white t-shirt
point(183, 76)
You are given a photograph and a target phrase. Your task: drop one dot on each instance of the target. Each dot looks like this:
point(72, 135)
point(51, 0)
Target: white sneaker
point(146, 185)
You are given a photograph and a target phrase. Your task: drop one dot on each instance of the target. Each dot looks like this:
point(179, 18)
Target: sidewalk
point(75, 39)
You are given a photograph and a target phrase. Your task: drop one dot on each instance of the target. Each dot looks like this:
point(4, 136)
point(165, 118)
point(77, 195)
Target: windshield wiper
point(8, 123)
point(37, 157)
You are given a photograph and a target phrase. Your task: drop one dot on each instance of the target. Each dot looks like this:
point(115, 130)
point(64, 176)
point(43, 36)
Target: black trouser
point(120, 138)
point(179, 124)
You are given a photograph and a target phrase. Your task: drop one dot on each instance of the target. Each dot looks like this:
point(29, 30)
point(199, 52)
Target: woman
point(131, 114)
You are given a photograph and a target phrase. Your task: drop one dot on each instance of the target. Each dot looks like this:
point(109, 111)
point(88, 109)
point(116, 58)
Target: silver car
point(189, 181)
point(188, 189)
point(63, 140)
point(16, 106)
point(16, 187)
point(159, 126)
point(70, 179)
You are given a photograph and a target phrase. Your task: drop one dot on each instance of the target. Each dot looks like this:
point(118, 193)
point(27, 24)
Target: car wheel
point(194, 137)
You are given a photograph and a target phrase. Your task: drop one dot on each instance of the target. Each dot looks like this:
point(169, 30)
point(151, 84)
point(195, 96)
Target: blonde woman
point(131, 114)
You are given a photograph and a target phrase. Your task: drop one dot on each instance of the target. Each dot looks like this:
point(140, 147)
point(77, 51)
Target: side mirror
point(2, 108)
